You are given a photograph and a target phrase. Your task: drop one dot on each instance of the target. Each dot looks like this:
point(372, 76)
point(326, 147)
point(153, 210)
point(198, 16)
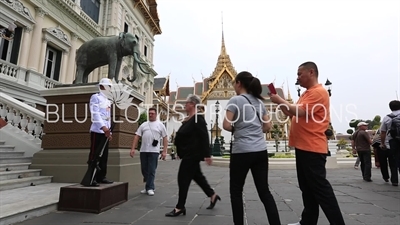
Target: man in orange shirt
point(310, 119)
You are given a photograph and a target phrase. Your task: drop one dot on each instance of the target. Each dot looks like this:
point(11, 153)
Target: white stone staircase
point(14, 169)
point(16, 184)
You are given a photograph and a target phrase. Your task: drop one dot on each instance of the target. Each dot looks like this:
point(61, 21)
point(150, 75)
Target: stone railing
point(69, 3)
point(22, 116)
point(26, 77)
point(89, 20)
point(75, 6)
point(10, 70)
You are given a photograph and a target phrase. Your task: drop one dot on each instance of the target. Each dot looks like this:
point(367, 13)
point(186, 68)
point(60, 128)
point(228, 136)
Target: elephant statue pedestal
point(66, 140)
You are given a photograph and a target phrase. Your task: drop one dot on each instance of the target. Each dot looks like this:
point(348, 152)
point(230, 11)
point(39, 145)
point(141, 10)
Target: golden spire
point(223, 58)
point(289, 97)
point(223, 49)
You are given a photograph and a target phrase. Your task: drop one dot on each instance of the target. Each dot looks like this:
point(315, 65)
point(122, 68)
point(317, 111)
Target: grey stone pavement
point(376, 203)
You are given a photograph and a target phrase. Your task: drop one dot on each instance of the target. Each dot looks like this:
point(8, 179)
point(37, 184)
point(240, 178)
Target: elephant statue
point(109, 51)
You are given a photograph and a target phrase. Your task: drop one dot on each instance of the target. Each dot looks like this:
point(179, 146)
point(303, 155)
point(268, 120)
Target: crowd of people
point(385, 144)
point(249, 149)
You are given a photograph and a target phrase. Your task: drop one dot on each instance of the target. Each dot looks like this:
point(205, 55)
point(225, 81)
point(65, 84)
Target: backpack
point(394, 130)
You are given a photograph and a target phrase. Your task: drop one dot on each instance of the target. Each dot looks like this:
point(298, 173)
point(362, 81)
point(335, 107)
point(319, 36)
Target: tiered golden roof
point(224, 62)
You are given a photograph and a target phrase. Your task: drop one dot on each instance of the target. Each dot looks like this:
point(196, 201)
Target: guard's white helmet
point(105, 81)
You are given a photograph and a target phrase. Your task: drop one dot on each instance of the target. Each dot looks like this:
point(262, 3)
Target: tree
point(372, 124)
point(353, 123)
point(276, 133)
point(350, 131)
point(342, 144)
point(375, 124)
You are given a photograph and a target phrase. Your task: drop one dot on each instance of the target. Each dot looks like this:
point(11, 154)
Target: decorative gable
point(57, 37)
point(18, 7)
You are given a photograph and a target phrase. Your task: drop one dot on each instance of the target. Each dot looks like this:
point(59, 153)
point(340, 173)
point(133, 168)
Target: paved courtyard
point(376, 203)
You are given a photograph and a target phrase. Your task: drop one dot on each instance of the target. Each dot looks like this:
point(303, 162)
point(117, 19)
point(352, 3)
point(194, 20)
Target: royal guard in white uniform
point(100, 109)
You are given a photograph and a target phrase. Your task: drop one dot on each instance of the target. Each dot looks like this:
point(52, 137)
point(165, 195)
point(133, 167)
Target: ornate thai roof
point(219, 82)
point(198, 88)
point(223, 75)
point(150, 14)
point(183, 92)
point(172, 97)
point(161, 85)
point(224, 62)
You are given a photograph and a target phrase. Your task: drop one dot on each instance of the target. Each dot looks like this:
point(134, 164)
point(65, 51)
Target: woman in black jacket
point(192, 147)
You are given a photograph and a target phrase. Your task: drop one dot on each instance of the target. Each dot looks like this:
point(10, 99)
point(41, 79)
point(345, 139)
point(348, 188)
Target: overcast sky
point(354, 43)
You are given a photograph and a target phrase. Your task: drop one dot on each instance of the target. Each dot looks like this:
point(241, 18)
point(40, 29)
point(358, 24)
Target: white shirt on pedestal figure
point(150, 131)
point(100, 109)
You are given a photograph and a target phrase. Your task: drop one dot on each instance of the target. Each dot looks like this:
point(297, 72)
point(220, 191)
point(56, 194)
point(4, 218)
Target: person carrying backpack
point(390, 138)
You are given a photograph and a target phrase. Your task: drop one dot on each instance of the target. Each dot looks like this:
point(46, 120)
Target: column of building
point(24, 56)
point(64, 67)
point(113, 20)
point(35, 41)
point(70, 75)
point(149, 93)
point(42, 57)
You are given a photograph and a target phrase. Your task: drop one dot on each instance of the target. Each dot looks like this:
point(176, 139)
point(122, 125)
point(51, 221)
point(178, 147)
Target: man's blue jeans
point(149, 162)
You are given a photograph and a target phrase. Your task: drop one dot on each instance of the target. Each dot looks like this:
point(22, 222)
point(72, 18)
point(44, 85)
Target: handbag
point(155, 141)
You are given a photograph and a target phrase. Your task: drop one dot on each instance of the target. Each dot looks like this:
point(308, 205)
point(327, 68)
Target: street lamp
point(329, 131)
point(328, 85)
point(298, 88)
point(285, 142)
point(211, 130)
point(217, 145)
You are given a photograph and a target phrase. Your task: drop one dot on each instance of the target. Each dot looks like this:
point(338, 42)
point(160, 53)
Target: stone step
point(8, 154)
point(24, 182)
point(26, 203)
point(9, 160)
point(19, 174)
point(14, 166)
point(7, 147)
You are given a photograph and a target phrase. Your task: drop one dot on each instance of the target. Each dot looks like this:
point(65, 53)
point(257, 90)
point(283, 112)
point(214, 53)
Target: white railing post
point(17, 118)
point(29, 123)
point(10, 116)
point(24, 122)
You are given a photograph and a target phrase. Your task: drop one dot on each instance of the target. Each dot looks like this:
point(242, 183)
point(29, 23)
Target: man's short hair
point(310, 65)
point(394, 105)
point(153, 109)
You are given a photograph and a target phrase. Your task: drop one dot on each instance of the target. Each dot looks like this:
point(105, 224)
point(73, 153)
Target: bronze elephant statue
point(109, 51)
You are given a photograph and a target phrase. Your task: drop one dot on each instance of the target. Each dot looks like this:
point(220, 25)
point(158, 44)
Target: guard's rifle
point(94, 163)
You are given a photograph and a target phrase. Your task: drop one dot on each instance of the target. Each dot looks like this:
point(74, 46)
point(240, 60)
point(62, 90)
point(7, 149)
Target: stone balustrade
point(22, 116)
point(25, 77)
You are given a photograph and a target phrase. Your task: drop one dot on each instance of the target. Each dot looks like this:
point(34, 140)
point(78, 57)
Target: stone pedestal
point(67, 137)
point(92, 199)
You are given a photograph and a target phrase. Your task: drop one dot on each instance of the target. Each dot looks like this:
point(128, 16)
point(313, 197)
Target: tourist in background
point(361, 143)
point(386, 159)
point(151, 132)
point(389, 143)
